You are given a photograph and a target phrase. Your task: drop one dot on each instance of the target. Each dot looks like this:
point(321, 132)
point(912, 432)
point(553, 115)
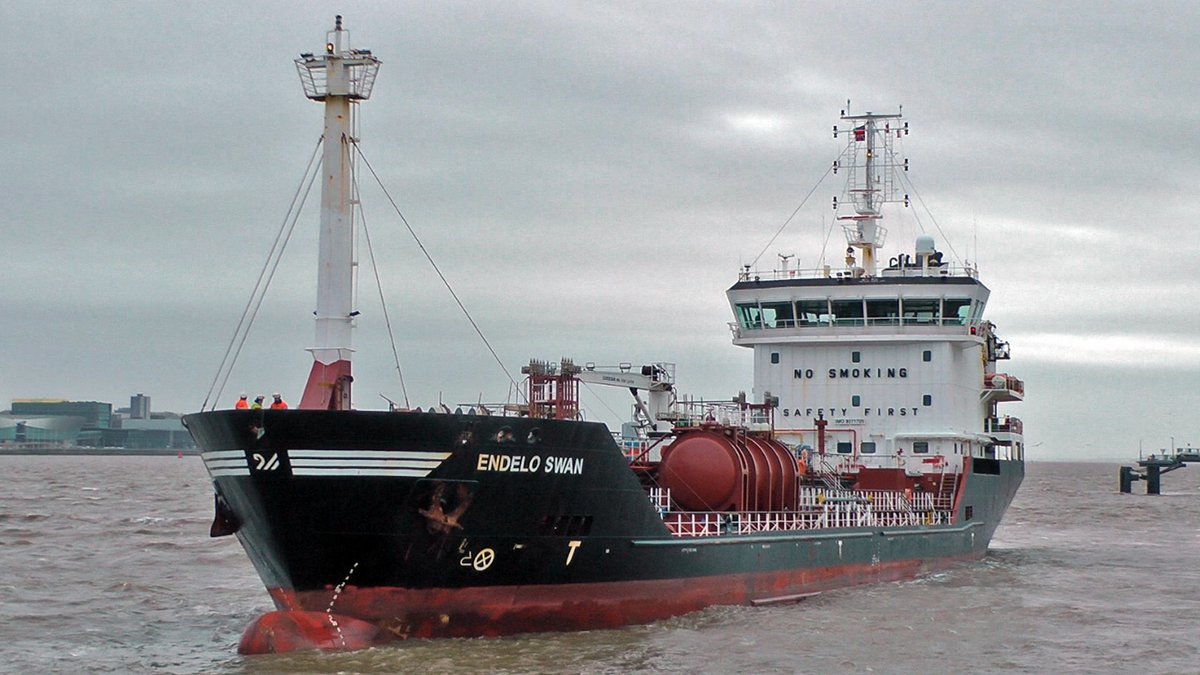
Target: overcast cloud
point(590, 177)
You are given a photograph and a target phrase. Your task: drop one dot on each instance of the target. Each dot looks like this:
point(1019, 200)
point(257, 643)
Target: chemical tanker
point(870, 449)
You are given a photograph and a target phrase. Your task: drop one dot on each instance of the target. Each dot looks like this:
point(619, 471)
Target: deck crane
point(655, 414)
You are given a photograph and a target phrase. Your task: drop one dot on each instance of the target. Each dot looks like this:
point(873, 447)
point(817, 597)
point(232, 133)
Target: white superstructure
point(894, 357)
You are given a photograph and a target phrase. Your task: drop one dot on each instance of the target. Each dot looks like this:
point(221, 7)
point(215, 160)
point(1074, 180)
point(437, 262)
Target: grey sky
point(590, 177)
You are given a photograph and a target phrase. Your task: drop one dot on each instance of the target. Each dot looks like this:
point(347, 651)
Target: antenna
point(783, 260)
point(871, 169)
point(975, 240)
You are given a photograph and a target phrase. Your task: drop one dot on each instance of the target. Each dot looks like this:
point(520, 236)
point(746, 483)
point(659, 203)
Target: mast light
point(340, 71)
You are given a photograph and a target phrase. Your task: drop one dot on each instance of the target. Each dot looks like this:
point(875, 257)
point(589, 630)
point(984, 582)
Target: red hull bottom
point(292, 630)
point(376, 616)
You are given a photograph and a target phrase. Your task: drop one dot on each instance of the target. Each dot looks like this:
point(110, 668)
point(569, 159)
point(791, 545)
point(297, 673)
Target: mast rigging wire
point(250, 311)
point(587, 387)
point(270, 276)
point(797, 209)
point(913, 189)
point(437, 270)
point(387, 321)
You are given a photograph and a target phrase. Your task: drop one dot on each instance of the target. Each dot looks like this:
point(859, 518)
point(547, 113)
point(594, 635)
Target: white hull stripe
point(224, 454)
point(226, 463)
point(428, 465)
point(308, 462)
point(366, 454)
point(399, 473)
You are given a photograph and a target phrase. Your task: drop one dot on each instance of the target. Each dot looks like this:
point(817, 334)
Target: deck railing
point(1004, 425)
point(818, 509)
point(829, 272)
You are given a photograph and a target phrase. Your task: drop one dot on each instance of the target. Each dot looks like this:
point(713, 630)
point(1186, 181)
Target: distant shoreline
point(98, 452)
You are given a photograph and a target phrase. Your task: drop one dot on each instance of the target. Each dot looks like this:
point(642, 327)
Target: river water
point(106, 566)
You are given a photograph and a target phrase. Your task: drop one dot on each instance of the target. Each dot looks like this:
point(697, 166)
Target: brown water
point(106, 566)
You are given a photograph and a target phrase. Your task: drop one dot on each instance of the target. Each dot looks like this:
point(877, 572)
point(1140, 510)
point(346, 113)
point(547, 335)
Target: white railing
point(819, 508)
point(834, 516)
point(1004, 382)
point(1003, 425)
point(660, 498)
point(686, 524)
point(631, 448)
point(829, 272)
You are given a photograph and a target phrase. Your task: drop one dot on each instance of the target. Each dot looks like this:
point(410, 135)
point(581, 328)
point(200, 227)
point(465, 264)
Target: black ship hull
point(368, 527)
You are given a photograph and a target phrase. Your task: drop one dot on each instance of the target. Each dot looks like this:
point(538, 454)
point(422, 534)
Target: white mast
point(341, 77)
point(871, 182)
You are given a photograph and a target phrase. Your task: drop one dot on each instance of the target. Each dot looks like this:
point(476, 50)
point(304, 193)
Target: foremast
point(340, 78)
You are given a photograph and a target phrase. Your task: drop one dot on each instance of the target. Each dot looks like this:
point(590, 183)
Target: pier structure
point(1153, 467)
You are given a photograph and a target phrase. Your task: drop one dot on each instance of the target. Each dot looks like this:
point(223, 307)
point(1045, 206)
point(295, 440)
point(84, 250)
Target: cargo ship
point(869, 449)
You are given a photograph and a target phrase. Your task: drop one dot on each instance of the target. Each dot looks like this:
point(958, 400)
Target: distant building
point(96, 415)
point(54, 430)
point(92, 424)
point(139, 407)
point(150, 433)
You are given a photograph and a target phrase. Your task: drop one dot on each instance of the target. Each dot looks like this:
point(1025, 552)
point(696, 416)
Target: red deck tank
point(716, 468)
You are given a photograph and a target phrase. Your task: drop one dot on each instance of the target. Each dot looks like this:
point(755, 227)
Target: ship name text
point(529, 464)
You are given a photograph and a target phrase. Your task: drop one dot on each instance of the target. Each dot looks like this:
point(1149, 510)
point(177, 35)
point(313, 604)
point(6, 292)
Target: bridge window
point(749, 316)
point(976, 312)
point(920, 447)
point(921, 311)
point(844, 447)
point(957, 311)
point(883, 312)
point(778, 315)
point(867, 447)
point(848, 312)
point(812, 312)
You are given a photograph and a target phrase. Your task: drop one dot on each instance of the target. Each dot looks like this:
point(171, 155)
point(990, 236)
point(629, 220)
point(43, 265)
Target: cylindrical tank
point(779, 490)
point(717, 469)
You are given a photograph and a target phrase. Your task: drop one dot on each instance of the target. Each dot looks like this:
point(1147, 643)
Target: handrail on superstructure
point(827, 272)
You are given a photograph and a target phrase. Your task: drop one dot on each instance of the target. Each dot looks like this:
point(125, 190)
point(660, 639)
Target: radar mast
point(871, 167)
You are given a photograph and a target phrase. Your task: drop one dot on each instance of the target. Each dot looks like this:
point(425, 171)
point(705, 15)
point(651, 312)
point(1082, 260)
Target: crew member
point(278, 403)
point(242, 403)
point(257, 405)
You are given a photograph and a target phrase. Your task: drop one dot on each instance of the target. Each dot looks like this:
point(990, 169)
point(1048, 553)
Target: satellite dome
point(925, 244)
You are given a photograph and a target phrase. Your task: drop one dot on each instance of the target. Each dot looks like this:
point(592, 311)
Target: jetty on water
point(1153, 467)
